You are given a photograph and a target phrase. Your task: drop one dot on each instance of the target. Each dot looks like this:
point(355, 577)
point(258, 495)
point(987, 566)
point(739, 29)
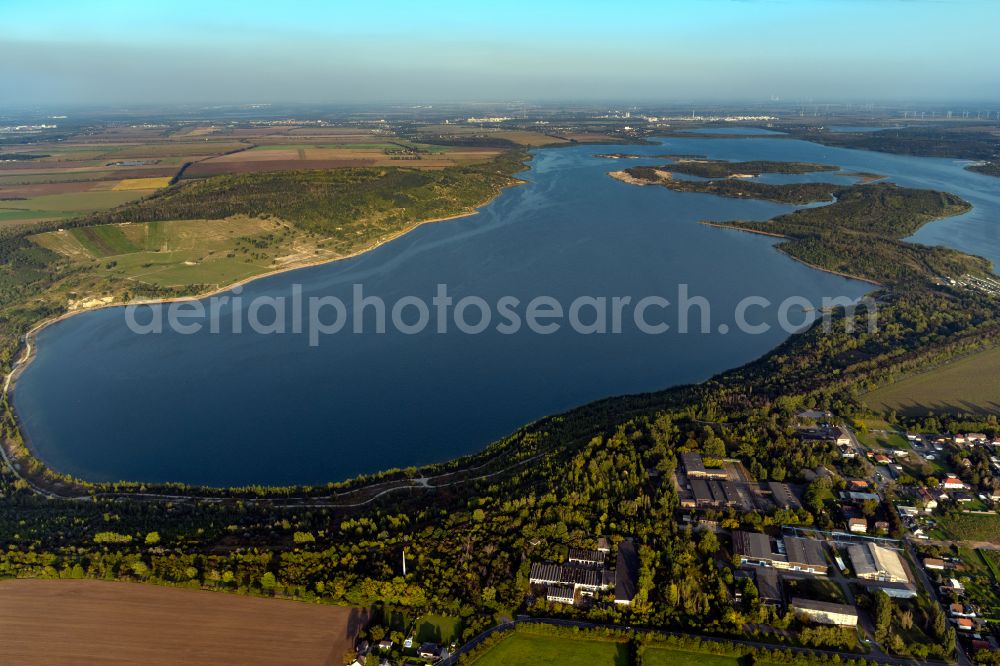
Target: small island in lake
point(794, 193)
point(735, 179)
point(705, 168)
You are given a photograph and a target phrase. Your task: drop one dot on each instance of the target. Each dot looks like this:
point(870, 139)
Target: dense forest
point(988, 168)
point(797, 193)
point(972, 143)
point(359, 200)
point(704, 168)
point(859, 234)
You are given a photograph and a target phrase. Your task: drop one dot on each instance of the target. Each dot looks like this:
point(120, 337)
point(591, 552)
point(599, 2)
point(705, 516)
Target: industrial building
point(873, 562)
point(790, 553)
point(825, 612)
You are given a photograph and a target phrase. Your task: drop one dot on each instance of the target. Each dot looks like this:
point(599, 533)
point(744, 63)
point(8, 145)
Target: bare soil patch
point(99, 622)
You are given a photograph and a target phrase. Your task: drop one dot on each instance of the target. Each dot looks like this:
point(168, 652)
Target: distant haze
point(345, 52)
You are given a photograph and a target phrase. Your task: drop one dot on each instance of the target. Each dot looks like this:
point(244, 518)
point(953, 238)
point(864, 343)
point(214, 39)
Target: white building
point(824, 612)
point(873, 562)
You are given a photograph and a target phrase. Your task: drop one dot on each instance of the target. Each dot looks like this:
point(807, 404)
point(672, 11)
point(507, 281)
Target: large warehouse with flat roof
point(873, 562)
point(825, 612)
point(790, 553)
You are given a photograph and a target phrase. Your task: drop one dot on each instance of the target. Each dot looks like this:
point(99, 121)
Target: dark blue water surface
point(104, 403)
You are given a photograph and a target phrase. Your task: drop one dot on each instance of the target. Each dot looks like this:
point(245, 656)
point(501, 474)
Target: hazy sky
point(381, 50)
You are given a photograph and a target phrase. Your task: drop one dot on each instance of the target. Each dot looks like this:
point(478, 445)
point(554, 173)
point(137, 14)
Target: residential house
point(429, 651)
point(933, 564)
point(952, 483)
point(857, 525)
point(924, 496)
point(961, 610)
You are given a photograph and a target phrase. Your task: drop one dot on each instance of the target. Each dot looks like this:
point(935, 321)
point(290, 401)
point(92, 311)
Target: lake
point(103, 403)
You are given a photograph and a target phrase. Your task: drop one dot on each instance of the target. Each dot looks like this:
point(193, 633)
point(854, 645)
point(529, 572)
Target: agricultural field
point(970, 384)
point(325, 155)
point(74, 178)
point(69, 203)
point(530, 139)
point(100, 169)
point(57, 621)
point(145, 158)
point(540, 650)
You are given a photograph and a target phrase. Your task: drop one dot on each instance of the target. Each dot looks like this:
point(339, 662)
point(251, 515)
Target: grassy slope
point(971, 384)
point(180, 253)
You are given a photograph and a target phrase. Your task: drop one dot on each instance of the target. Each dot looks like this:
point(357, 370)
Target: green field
point(971, 384)
point(442, 629)
point(59, 206)
point(104, 241)
point(533, 650)
point(24, 216)
point(656, 656)
point(971, 526)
